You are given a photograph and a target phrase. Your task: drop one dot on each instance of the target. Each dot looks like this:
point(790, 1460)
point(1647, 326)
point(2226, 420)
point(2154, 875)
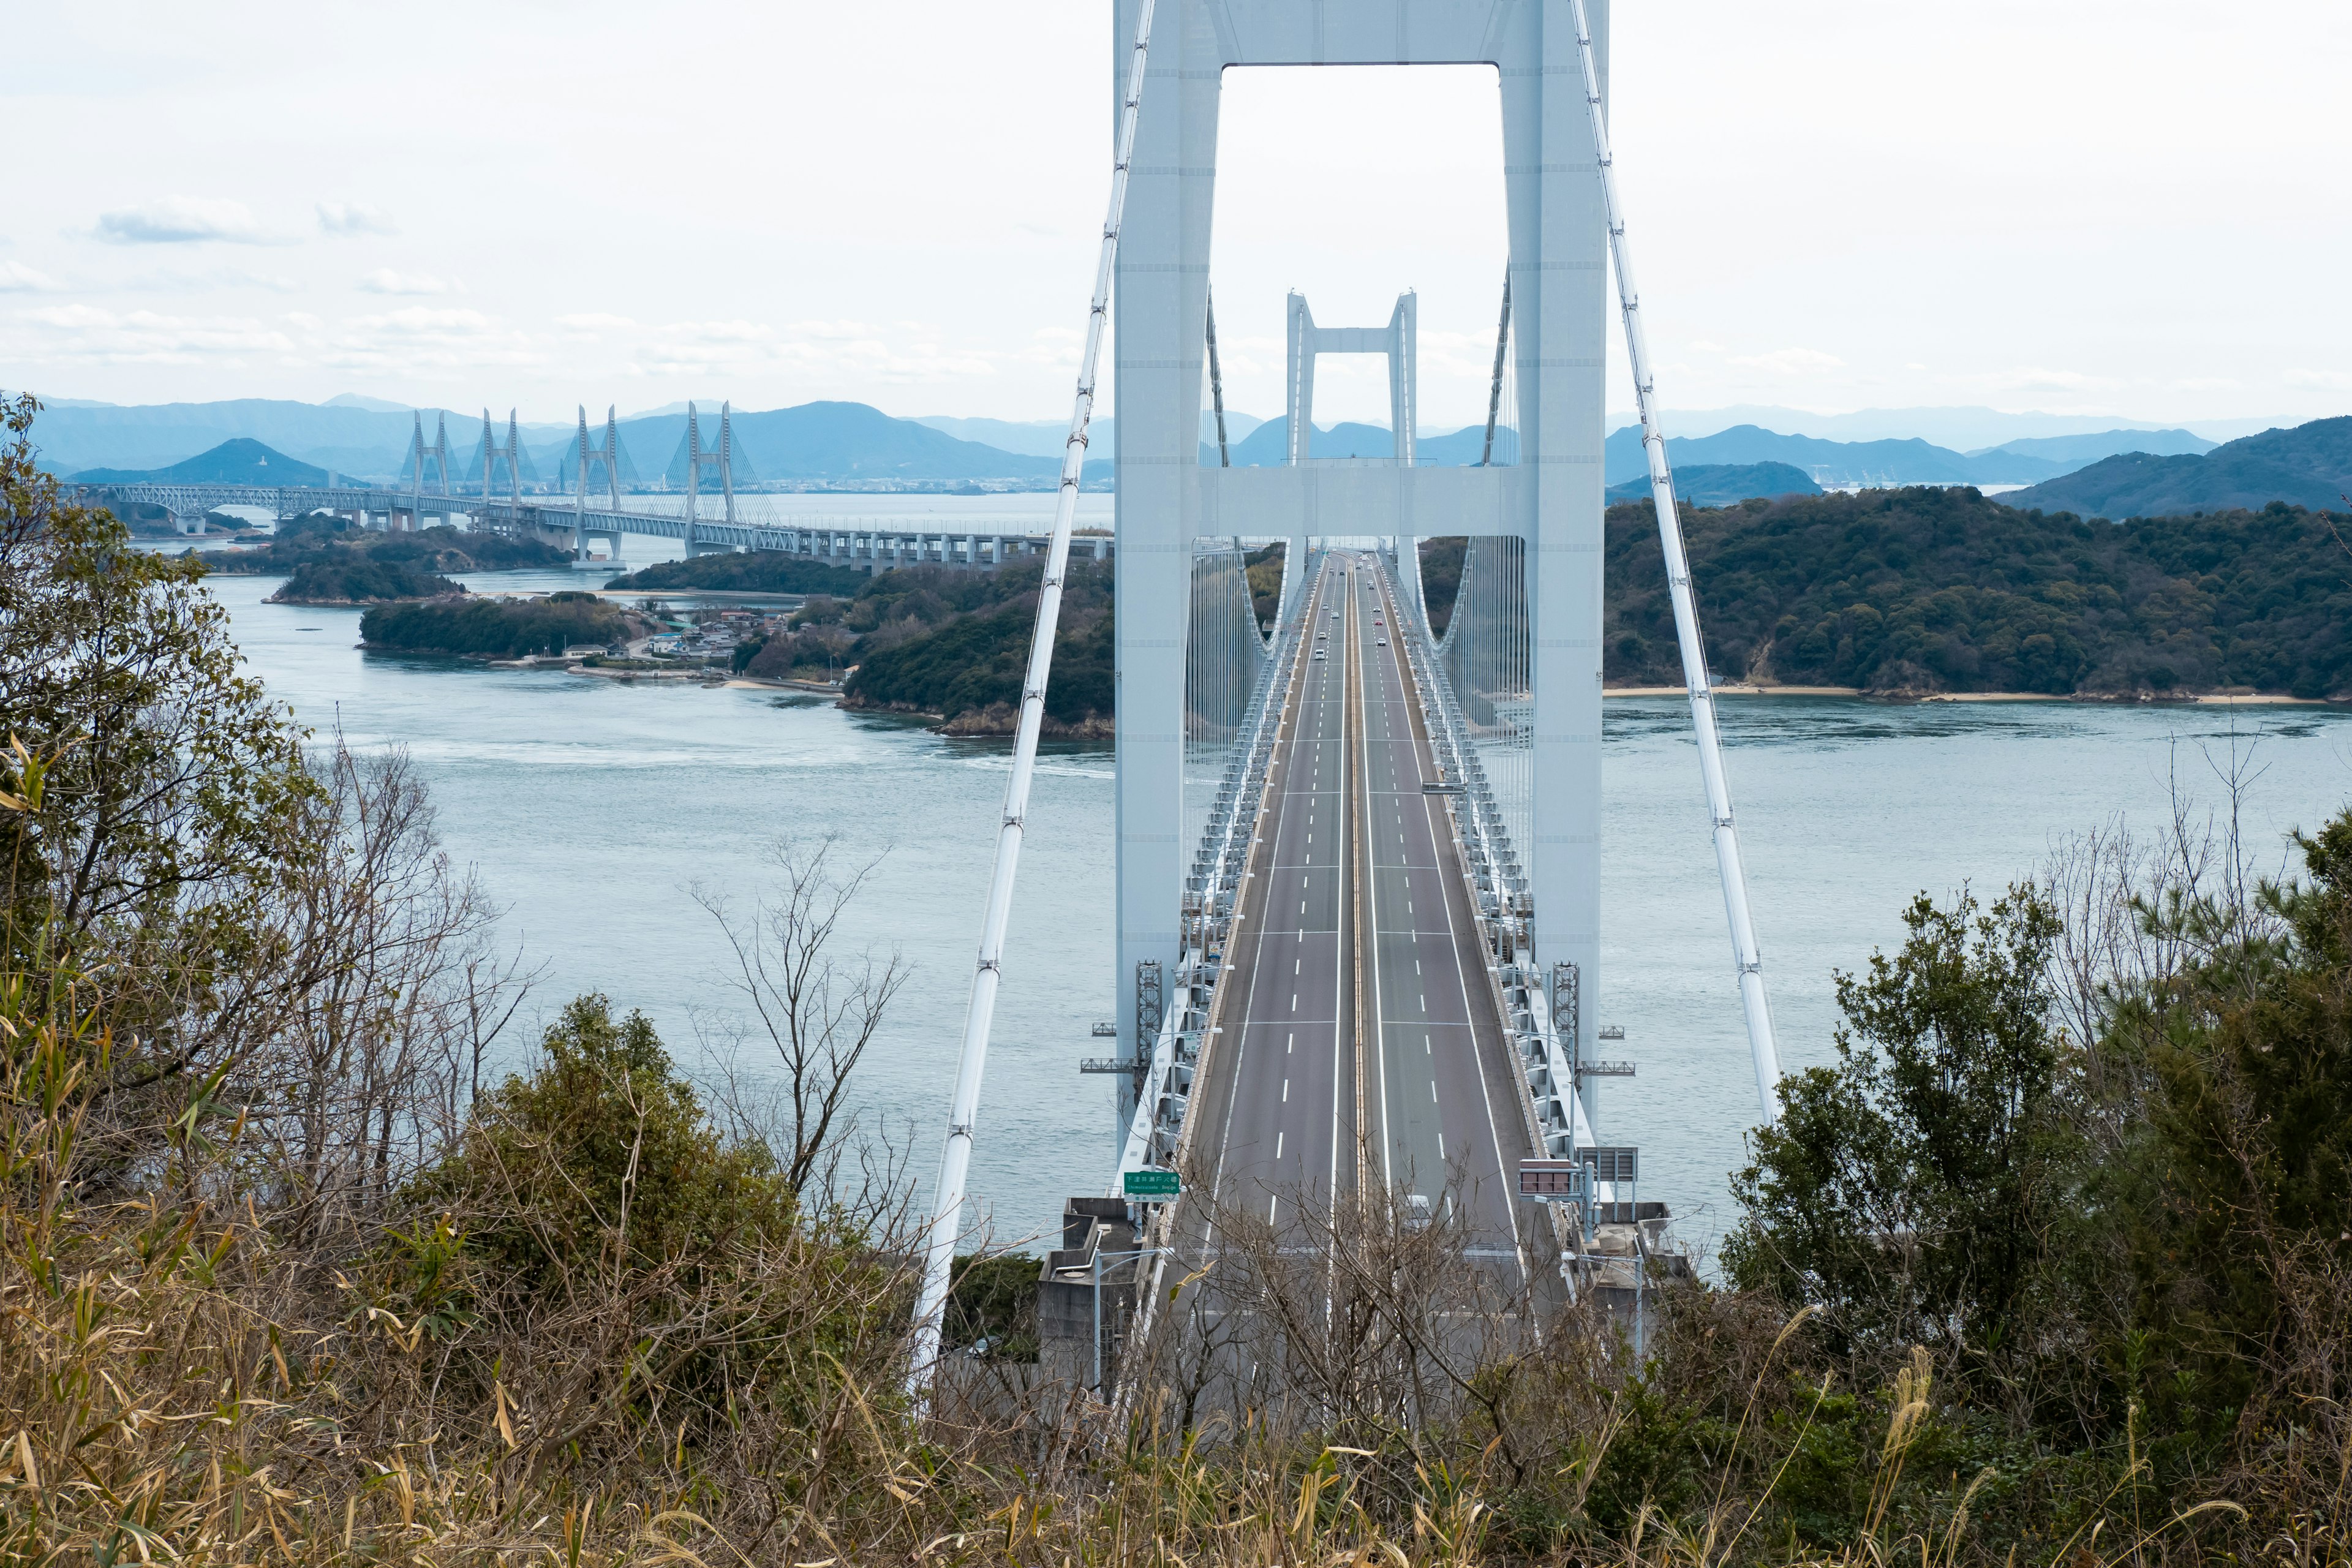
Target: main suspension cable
point(1760, 1044)
point(955, 1159)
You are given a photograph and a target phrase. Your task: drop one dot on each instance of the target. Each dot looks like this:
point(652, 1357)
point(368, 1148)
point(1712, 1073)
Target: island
point(322, 536)
point(1931, 591)
point(479, 626)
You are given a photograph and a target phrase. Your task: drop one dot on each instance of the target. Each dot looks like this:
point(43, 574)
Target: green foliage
point(2232, 1190)
point(1905, 1188)
point(602, 1159)
point(322, 541)
point(173, 783)
point(1942, 590)
point(1264, 568)
point(502, 628)
point(994, 1298)
point(1440, 578)
point(975, 659)
point(753, 572)
point(350, 577)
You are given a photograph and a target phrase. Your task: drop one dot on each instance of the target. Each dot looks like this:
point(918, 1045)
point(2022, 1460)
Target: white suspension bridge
point(1398, 793)
point(1402, 801)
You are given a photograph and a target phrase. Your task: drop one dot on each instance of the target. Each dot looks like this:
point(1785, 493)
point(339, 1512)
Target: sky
point(2140, 210)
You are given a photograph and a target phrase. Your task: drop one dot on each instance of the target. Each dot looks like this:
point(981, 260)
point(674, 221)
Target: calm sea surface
point(590, 808)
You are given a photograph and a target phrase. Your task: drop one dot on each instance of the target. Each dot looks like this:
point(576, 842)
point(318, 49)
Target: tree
point(818, 1009)
point(1903, 1188)
point(174, 786)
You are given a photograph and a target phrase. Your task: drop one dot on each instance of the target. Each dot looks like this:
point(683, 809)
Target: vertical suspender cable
point(955, 1160)
point(1760, 1044)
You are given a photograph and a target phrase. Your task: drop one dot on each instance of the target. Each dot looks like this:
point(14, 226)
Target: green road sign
point(1150, 1184)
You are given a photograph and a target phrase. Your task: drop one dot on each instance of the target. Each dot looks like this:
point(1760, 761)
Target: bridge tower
point(1398, 340)
point(721, 458)
point(609, 454)
point(438, 454)
point(511, 454)
point(1551, 500)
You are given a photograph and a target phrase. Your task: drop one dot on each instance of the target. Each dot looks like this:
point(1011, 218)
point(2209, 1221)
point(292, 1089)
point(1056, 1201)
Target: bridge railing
point(1212, 894)
point(1543, 1044)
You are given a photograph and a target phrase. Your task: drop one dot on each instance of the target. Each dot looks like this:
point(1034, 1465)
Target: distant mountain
point(234, 462)
point(1043, 437)
point(1465, 446)
point(2076, 450)
point(1963, 429)
point(357, 442)
point(1865, 463)
point(2310, 465)
point(820, 441)
point(1723, 484)
point(373, 404)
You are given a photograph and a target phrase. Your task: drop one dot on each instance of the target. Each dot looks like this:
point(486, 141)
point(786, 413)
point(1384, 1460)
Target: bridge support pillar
point(1559, 284)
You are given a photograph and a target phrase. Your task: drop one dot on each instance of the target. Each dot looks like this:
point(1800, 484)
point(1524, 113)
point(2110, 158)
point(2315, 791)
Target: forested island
point(755, 571)
point(954, 645)
point(501, 628)
point(318, 537)
point(1922, 590)
point(328, 563)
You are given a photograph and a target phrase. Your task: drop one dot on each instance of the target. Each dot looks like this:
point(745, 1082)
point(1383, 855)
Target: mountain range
point(360, 438)
point(2310, 465)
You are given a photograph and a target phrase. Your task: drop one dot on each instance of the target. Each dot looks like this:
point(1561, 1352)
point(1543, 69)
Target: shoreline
point(2207, 699)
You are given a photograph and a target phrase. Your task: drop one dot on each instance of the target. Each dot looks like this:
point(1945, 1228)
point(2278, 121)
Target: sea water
point(594, 811)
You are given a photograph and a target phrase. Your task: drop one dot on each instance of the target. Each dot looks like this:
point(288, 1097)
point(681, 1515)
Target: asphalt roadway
point(1359, 1041)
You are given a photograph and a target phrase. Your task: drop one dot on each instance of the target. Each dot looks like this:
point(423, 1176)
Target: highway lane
point(1446, 1120)
point(1280, 1112)
point(1354, 871)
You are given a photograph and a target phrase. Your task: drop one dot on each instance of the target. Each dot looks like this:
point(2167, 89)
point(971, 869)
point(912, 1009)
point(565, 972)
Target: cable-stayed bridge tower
point(607, 455)
point(721, 458)
point(419, 454)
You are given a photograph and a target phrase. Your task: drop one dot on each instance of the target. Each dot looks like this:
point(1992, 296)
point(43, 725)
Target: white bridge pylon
point(1551, 499)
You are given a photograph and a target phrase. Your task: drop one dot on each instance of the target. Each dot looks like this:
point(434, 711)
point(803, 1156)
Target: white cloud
point(590, 322)
point(385, 280)
point(181, 220)
point(2036, 378)
point(2322, 380)
point(1792, 361)
point(817, 349)
point(16, 277)
point(354, 218)
point(87, 334)
point(1707, 346)
point(424, 339)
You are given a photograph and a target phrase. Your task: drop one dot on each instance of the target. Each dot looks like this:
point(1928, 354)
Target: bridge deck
point(1362, 1044)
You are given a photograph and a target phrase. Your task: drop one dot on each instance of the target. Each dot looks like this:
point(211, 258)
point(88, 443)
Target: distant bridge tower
point(511, 454)
point(419, 454)
point(1551, 500)
point(610, 455)
point(1397, 340)
point(722, 458)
